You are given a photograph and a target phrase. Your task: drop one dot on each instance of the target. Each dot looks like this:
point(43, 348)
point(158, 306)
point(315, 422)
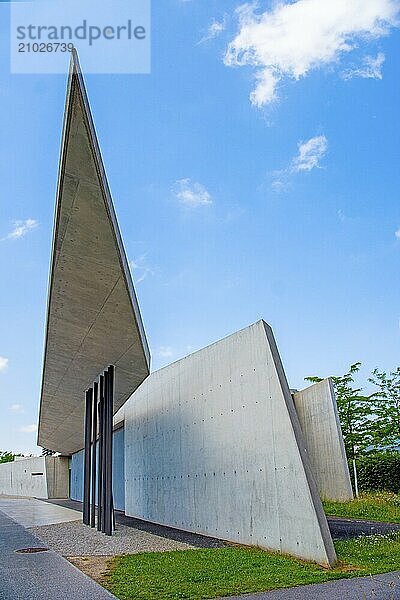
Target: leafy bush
point(378, 471)
point(6, 456)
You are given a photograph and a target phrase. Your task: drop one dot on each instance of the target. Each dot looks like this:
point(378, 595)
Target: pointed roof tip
point(75, 67)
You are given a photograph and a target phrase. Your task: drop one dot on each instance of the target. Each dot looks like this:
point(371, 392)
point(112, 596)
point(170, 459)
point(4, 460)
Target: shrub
point(378, 471)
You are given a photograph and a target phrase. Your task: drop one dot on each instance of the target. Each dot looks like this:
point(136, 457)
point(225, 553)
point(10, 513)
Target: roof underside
point(93, 319)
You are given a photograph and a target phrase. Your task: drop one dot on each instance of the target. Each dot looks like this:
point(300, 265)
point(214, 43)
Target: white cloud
point(308, 157)
point(293, 38)
point(280, 181)
point(397, 233)
point(191, 194)
point(214, 30)
point(21, 228)
point(165, 352)
point(140, 268)
point(310, 153)
point(3, 363)
point(28, 428)
point(371, 68)
point(17, 408)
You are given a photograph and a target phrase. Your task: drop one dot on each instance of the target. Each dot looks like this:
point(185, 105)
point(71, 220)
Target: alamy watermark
point(112, 38)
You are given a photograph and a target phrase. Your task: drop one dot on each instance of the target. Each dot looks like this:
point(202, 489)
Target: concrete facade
point(39, 476)
point(317, 411)
point(93, 317)
point(213, 445)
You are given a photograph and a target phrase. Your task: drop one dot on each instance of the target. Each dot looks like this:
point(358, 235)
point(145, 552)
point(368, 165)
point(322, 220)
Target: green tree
point(355, 412)
point(6, 457)
point(386, 424)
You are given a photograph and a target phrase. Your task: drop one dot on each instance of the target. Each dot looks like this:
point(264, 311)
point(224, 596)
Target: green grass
point(209, 573)
point(374, 506)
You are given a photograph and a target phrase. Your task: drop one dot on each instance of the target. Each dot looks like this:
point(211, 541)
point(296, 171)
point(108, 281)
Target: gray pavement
point(42, 575)
point(345, 529)
point(378, 587)
point(32, 512)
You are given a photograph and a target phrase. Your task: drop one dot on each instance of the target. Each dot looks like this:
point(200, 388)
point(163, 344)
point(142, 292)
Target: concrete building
point(210, 444)
point(37, 476)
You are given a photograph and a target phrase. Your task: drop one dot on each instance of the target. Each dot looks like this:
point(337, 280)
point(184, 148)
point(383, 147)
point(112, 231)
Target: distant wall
point(317, 411)
point(118, 472)
point(213, 445)
point(40, 477)
point(57, 476)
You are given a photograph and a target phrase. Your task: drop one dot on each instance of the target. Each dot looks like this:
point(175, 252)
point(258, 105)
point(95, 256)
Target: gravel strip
point(75, 539)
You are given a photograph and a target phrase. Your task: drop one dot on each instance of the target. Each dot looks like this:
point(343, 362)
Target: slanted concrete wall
point(213, 445)
point(317, 410)
point(40, 477)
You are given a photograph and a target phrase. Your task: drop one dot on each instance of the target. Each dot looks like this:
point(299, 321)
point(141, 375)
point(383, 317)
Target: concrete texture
point(377, 587)
point(317, 411)
point(93, 318)
point(30, 512)
point(118, 472)
point(39, 576)
point(213, 445)
point(75, 539)
point(38, 476)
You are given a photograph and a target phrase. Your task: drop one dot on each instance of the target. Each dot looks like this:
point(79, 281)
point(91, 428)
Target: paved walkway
point(378, 587)
point(41, 575)
point(345, 529)
point(30, 512)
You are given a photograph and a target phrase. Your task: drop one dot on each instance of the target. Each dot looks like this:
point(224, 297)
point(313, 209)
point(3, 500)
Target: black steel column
point(100, 495)
point(94, 438)
point(110, 456)
point(108, 397)
point(99, 419)
point(87, 465)
point(104, 467)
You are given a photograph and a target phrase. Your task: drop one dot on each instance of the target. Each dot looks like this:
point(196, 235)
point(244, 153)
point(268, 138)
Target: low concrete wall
point(213, 445)
point(317, 410)
point(40, 477)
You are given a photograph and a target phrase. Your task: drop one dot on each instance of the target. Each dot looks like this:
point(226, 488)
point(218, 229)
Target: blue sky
point(249, 181)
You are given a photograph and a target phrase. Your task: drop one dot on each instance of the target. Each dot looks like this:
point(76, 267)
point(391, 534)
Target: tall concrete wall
point(213, 445)
point(317, 411)
point(40, 477)
point(118, 472)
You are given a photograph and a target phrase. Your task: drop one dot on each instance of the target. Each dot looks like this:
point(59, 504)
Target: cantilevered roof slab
point(93, 318)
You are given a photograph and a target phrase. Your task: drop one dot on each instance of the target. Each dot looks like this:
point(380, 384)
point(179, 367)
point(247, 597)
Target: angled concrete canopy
point(93, 318)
